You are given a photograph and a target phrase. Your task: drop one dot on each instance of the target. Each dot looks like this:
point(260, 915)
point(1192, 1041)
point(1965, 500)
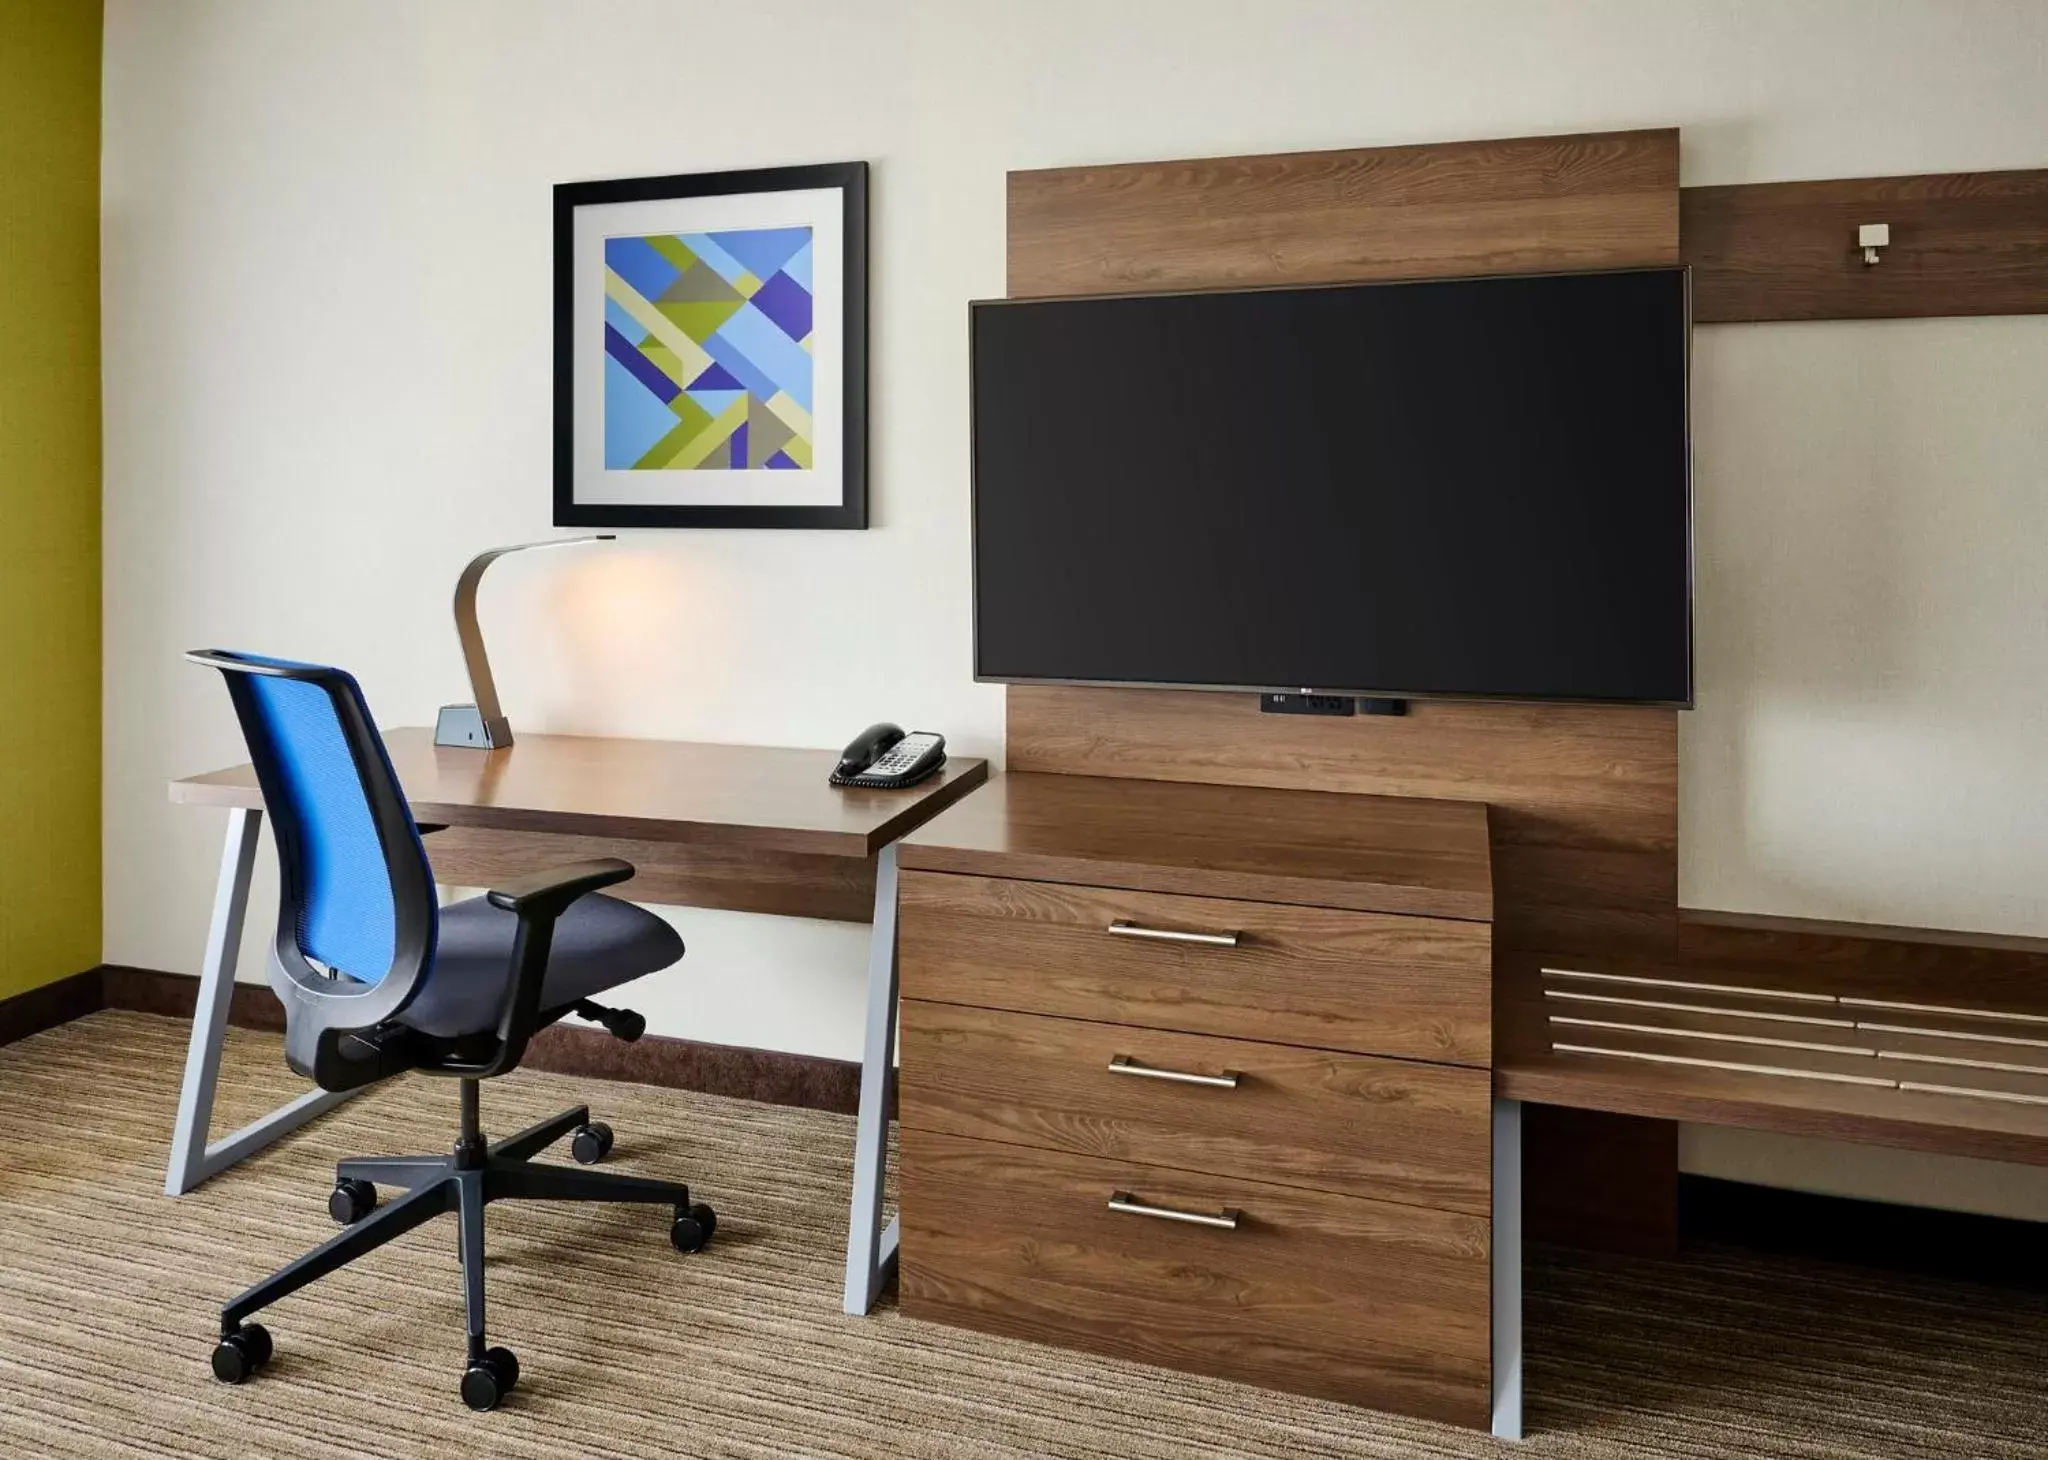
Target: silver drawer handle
point(1123, 1201)
point(1123, 1064)
point(1124, 928)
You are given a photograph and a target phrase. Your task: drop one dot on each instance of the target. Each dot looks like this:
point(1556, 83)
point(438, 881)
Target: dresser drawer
point(1392, 1129)
point(1360, 1301)
point(1373, 983)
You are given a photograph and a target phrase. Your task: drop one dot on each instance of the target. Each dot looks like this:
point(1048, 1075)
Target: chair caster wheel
point(351, 1201)
point(591, 1143)
point(240, 1354)
point(486, 1382)
point(692, 1227)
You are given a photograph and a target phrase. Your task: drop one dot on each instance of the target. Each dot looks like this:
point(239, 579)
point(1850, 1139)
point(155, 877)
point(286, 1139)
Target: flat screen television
point(1451, 488)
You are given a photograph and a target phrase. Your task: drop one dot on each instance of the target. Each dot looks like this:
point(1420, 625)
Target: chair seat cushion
point(599, 943)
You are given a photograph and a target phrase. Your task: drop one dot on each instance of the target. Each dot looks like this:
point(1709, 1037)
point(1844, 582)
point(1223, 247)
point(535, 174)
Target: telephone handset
point(883, 756)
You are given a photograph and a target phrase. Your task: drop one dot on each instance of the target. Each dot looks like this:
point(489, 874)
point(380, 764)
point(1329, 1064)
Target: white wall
point(1872, 730)
point(327, 383)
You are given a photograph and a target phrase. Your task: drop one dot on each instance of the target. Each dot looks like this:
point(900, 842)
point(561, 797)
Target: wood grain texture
point(1360, 1301)
point(672, 874)
point(1963, 243)
point(1990, 970)
point(743, 796)
point(1861, 1037)
point(1527, 1067)
point(1584, 801)
point(1367, 853)
point(1365, 983)
point(1394, 1130)
point(1594, 200)
point(1833, 959)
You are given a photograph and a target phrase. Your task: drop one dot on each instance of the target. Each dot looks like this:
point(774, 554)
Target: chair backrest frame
point(321, 1008)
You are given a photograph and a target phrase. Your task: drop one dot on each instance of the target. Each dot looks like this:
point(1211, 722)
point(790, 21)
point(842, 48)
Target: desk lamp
point(482, 725)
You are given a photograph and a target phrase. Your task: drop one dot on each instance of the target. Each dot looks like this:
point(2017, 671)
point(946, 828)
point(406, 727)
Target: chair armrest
point(547, 893)
point(538, 899)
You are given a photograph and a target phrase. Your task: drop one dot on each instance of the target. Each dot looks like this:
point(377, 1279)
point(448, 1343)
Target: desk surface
point(1391, 854)
point(651, 790)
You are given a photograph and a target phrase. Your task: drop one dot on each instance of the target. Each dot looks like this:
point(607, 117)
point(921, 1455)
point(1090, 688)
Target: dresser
point(1199, 1075)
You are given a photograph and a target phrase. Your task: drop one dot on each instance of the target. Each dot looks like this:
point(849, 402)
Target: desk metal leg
point(193, 1159)
point(870, 1249)
point(1507, 1269)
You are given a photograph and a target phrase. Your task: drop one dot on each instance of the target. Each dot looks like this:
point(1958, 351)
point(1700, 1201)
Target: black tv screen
point(1465, 487)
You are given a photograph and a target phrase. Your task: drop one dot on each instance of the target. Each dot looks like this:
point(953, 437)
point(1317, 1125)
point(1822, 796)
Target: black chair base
point(464, 1182)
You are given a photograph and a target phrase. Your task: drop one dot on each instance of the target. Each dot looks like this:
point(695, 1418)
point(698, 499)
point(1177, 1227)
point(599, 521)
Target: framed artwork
point(711, 349)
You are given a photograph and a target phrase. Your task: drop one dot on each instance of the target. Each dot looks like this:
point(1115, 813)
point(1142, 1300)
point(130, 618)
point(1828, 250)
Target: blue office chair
point(376, 980)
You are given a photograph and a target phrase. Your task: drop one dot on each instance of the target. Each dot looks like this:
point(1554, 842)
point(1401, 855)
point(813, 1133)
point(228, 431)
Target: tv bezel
point(974, 310)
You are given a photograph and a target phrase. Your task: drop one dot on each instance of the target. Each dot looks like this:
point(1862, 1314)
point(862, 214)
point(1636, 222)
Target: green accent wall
point(49, 490)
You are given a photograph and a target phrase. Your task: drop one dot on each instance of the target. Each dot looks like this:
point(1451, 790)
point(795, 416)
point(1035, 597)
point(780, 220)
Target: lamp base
point(463, 727)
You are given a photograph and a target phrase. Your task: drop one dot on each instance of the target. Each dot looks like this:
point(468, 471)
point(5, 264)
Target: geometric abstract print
point(707, 342)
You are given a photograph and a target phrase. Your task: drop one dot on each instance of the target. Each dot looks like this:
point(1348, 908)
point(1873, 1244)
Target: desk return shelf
point(1921, 1048)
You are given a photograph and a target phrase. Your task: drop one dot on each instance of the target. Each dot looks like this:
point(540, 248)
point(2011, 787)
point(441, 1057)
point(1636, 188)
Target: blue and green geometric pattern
point(707, 342)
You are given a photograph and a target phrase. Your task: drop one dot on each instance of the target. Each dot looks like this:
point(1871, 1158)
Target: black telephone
point(883, 756)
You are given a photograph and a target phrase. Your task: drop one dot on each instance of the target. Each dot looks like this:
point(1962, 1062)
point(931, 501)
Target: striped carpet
point(108, 1292)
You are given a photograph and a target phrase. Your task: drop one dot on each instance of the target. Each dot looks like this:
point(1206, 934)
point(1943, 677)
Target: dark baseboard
point(34, 1010)
point(2000, 1251)
point(150, 991)
point(809, 1082)
point(770, 1076)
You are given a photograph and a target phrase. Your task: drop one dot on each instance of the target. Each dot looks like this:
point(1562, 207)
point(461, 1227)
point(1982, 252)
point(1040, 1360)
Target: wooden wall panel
point(1595, 200)
point(1962, 243)
point(1865, 960)
point(1586, 818)
point(1585, 800)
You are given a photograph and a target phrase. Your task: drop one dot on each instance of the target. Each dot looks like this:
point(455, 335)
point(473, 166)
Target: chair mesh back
point(321, 815)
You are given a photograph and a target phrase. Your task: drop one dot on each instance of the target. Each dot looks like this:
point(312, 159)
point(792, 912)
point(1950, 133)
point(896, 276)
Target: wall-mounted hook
point(1871, 237)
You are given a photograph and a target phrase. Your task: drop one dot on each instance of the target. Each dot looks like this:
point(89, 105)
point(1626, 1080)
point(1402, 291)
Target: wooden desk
point(742, 827)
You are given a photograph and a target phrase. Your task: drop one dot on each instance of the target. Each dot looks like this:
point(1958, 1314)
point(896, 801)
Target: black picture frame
point(851, 179)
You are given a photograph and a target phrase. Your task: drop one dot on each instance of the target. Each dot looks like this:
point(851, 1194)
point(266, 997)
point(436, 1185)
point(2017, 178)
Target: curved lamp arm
point(482, 725)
